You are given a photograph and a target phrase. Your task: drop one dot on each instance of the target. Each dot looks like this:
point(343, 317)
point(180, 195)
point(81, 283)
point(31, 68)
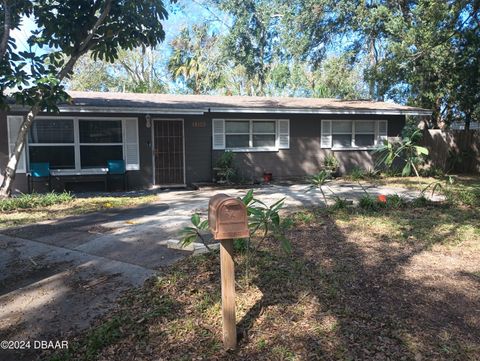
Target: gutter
point(202, 111)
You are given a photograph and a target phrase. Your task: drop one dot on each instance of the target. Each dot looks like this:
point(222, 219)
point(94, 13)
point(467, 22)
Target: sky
point(181, 14)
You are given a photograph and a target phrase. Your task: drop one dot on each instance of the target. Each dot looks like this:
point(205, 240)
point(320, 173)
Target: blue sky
point(183, 13)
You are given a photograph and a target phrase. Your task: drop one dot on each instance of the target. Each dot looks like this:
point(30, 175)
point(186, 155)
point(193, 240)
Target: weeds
point(34, 200)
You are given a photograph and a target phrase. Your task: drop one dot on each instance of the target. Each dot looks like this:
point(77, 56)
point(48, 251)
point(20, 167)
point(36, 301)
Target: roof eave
point(202, 110)
point(419, 112)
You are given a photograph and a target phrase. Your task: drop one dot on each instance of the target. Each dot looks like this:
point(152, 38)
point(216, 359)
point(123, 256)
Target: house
point(175, 140)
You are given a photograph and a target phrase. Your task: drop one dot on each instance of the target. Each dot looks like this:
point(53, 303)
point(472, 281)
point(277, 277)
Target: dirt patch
point(364, 286)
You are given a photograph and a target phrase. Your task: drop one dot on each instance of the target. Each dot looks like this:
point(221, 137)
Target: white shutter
point(130, 144)
point(326, 137)
point(283, 133)
point(218, 134)
point(13, 123)
point(382, 131)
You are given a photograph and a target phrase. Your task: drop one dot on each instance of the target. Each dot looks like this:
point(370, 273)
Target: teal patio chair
point(39, 172)
point(117, 168)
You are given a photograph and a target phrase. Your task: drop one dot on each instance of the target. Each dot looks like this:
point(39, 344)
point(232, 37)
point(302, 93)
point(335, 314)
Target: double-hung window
point(364, 135)
point(52, 141)
point(242, 134)
point(353, 134)
point(83, 144)
point(100, 141)
point(251, 134)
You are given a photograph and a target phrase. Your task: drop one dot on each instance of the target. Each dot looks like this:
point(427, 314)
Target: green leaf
point(421, 150)
point(248, 197)
point(195, 219)
point(203, 225)
point(407, 170)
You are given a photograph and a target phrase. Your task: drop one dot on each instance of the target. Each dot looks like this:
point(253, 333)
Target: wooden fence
point(453, 151)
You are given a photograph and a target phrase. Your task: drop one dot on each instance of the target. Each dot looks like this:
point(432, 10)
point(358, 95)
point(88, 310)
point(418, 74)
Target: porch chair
point(39, 172)
point(117, 168)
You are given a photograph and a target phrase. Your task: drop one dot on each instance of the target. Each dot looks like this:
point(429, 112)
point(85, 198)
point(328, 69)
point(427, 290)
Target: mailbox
point(227, 217)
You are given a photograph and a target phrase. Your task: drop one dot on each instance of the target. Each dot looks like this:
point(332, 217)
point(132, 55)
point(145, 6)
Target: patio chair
point(39, 172)
point(117, 168)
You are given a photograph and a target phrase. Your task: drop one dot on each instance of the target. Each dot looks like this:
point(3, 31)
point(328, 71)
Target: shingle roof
point(205, 103)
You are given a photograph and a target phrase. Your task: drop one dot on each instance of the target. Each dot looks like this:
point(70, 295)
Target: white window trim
point(76, 144)
point(250, 148)
point(353, 133)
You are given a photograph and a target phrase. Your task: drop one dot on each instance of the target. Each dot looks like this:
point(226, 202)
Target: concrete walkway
point(59, 275)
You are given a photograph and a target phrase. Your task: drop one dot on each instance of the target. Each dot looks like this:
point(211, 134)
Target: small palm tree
point(319, 180)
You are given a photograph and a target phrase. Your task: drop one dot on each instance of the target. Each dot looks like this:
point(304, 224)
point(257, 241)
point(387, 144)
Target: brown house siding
point(305, 155)
point(303, 158)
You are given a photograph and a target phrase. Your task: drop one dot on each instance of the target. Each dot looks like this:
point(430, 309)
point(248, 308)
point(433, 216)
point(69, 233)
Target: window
point(78, 144)
point(100, 140)
point(237, 134)
point(264, 134)
point(364, 133)
point(241, 134)
point(343, 134)
point(100, 131)
point(52, 141)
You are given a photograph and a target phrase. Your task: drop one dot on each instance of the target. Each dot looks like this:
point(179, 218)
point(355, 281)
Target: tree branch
point(86, 44)
point(6, 30)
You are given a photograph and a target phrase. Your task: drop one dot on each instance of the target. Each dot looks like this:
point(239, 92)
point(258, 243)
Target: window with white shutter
point(284, 134)
point(251, 135)
point(13, 123)
point(353, 134)
point(132, 157)
point(326, 136)
point(218, 136)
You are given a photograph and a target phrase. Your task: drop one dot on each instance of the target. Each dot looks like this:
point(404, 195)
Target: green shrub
point(371, 203)
point(395, 201)
point(330, 163)
point(340, 203)
point(368, 202)
point(224, 167)
point(34, 200)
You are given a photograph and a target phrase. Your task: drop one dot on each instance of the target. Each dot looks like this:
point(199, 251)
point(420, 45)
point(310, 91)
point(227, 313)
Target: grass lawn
point(389, 285)
point(68, 207)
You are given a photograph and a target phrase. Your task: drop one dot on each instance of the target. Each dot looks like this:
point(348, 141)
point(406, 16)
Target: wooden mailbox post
point(227, 218)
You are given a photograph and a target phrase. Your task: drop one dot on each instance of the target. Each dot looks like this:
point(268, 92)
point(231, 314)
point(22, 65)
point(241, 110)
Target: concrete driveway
point(59, 275)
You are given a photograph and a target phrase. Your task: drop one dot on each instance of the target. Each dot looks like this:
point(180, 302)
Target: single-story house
point(175, 140)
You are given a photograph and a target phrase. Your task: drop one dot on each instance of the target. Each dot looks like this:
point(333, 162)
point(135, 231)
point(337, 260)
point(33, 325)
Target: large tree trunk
point(11, 169)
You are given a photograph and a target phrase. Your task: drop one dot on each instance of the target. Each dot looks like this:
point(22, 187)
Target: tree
point(252, 40)
point(101, 27)
point(12, 73)
point(138, 70)
point(196, 60)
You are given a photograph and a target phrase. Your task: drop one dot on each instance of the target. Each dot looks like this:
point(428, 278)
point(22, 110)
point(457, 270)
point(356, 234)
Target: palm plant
point(319, 180)
point(407, 150)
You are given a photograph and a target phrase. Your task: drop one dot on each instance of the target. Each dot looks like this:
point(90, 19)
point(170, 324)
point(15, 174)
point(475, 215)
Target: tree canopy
point(417, 52)
point(66, 31)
